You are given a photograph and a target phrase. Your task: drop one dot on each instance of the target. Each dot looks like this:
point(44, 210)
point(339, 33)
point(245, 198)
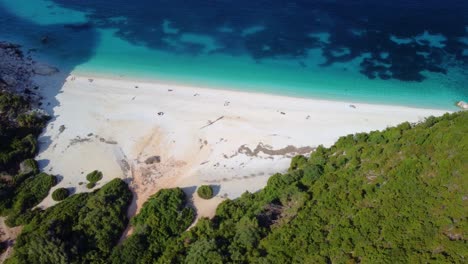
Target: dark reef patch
point(362, 28)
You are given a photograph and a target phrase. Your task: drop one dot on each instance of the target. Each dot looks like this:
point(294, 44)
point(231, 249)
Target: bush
point(60, 194)
point(297, 162)
point(163, 218)
point(94, 176)
point(32, 191)
point(205, 192)
point(29, 166)
point(81, 229)
point(90, 185)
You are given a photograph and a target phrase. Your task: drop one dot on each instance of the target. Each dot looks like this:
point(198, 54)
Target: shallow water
point(411, 53)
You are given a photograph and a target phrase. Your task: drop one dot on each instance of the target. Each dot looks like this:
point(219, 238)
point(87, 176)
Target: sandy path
point(8, 235)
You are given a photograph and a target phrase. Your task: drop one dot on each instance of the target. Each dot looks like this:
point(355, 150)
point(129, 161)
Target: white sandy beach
point(233, 140)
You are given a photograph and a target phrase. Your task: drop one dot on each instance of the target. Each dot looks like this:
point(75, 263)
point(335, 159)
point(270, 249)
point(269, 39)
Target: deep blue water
point(400, 52)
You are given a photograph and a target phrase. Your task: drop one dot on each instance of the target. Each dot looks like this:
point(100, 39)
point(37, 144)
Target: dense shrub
point(390, 197)
point(297, 162)
point(205, 192)
point(21, 187)
point(90, 185)
point(29, 166)
point(60, 194)
point(161, 220)
point(83, 228)
point(94, 176)
point(19, 128)
point(29, 193)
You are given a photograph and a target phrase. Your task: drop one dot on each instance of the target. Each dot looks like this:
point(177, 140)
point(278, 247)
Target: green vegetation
point(205, 192)
point(21, 185)
point(25, 195)
point(397, 196)
point(162, 219)
point(94, 176)
point(83, 228)
point(297, 162)
point(60, 194)
point(29, 166)
point(19, 128)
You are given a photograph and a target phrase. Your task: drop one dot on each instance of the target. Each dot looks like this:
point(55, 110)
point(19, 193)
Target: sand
point(229, 139)
point(8, 235)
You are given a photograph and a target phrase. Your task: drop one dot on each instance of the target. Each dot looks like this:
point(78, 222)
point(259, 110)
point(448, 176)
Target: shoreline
point(173, 83)
point(232, 140)
point(262, 88)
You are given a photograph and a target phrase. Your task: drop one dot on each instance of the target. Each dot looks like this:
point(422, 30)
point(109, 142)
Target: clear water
point(409, 52)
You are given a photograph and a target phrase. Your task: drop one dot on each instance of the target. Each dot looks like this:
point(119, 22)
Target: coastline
point(315, 92)
point(233, 140)
point(112, 116)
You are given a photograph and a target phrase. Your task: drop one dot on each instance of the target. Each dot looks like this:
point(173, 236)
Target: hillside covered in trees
point(21, 184)
point(396, 196)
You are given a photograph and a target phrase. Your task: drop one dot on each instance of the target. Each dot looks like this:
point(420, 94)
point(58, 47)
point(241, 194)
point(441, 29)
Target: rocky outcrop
point(153, 159)
point(462, 105)
point(43, 69)
point(15, 69)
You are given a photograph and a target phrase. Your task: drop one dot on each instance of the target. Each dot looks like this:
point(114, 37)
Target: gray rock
point(61, 129)
point(9, 80)
point(28, 166)
point(43, 69)
point(153, 159)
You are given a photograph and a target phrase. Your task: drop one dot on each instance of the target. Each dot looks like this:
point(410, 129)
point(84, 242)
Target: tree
point(205, 192)
point(94, 176)
point(60, 194)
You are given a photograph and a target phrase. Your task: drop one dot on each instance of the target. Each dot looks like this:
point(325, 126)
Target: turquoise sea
point(412, 53)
